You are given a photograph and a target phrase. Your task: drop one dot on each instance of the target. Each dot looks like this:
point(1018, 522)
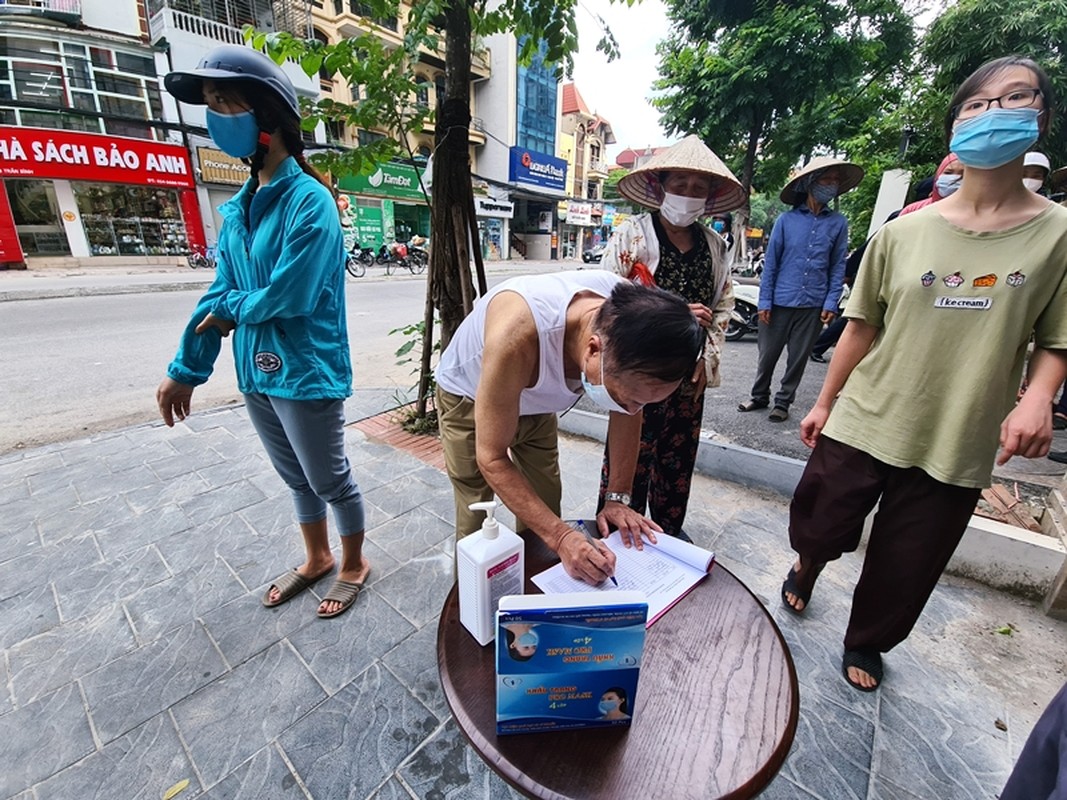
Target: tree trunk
point(450, 276)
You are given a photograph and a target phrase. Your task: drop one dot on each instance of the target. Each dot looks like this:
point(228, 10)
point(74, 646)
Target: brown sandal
point(343, 592)
point(289, 586)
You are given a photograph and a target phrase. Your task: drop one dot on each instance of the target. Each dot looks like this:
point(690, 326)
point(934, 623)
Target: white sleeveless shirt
point(548, 297)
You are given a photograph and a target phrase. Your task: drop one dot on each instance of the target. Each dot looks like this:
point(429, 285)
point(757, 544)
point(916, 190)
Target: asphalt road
point(88, 354)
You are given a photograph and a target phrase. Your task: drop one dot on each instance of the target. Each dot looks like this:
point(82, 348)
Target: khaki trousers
point(534, 451)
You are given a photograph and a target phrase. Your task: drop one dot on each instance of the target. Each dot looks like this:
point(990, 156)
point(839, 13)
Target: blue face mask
point(607, 706)
point(995, 138)
point(236, 134)
point(599, 394)
point(823, 193)
point(528, 639)
point(948, 184)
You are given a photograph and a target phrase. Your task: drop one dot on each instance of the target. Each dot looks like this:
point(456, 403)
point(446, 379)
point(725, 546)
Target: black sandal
point(870, 661)
point(790, 585)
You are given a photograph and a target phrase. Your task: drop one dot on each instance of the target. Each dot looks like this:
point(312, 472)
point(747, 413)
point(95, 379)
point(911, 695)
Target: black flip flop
point(790, 585)
point(870, 661)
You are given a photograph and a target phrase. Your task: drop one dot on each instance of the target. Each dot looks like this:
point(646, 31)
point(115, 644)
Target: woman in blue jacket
point(280, 289)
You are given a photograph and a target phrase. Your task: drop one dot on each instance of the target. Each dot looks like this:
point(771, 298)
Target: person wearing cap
point(669, 248)
point(803, 276)
point(280, 289)
point(1036, 169)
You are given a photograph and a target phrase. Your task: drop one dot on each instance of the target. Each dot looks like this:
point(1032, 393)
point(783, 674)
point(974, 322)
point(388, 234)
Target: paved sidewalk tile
point(138, 653)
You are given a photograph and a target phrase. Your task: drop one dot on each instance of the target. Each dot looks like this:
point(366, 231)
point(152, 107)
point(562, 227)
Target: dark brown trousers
point(919, 523)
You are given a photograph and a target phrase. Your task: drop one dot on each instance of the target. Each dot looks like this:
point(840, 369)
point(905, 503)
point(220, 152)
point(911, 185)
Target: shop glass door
point(36, 214)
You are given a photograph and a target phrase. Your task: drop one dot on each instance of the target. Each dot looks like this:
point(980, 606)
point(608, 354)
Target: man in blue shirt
point(803, 273)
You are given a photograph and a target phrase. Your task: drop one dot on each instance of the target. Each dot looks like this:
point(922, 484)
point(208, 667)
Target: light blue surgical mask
point(995, 138)
point(528, 639)
point(599, 394)
point(948, 184)
point(607, 706)
point(236, 134)
point(823, 193)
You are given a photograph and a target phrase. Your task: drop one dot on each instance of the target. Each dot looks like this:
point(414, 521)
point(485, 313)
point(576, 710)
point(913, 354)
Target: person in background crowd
point(923, 384)
point(945, 181)
point(723, 224)
point(803, 275)
point(675, 252)
point(1036, 169)
point(280, 288)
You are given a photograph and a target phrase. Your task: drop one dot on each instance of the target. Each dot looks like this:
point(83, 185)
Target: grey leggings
point(305, 441)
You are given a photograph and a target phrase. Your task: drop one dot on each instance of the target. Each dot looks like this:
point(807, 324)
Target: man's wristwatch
point(617, 497)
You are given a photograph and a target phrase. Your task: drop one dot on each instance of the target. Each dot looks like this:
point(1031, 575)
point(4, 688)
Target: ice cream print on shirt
point(952, 281)
point(267, 361)
point(928, 279)
point(985, 281)
point(1015, 279)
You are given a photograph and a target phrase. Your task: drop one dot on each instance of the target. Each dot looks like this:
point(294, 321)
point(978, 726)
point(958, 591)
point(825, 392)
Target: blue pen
point(589, 538)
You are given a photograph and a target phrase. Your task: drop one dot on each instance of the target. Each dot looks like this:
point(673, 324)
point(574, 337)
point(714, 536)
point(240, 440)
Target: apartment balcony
point(353, 19)
point(166, 19)
point(598, 168)
point(69, 12)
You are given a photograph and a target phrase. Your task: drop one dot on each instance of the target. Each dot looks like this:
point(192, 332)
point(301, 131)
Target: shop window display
point(36, 215)
point(131, 220)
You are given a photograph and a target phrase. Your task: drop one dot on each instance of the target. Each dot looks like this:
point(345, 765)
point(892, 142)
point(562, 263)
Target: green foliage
point(783, 82)
point(410, 420)
point(971, 32)
point(611, 185)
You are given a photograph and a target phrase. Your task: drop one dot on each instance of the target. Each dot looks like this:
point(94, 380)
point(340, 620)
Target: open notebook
point(665, 572)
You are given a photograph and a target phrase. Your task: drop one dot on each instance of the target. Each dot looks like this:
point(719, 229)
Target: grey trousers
point(792, 328)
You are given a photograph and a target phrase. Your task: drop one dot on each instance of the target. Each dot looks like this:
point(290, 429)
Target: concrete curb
point(1001, 556)
point(91, 291)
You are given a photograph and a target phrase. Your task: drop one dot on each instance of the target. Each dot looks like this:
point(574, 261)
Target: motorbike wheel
point(418, 263)
point(736, 330)
point(366, 257)
point(355, 267)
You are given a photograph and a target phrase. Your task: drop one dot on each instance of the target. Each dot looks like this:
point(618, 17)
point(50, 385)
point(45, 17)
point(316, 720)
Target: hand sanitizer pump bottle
point(490, 564)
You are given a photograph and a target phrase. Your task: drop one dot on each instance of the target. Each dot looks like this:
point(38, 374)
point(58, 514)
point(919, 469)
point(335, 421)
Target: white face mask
point(682, 211)
point(1033, 184)
point(599, 393)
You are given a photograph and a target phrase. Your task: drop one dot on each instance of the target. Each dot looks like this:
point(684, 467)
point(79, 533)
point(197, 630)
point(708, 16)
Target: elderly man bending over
point(530, 348)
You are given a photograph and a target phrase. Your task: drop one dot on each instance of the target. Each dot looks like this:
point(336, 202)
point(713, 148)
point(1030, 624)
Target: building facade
point(585, 137)
point(518, 170)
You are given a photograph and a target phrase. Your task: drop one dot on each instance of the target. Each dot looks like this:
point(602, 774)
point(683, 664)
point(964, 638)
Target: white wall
point(114, 16)
point(496, 104)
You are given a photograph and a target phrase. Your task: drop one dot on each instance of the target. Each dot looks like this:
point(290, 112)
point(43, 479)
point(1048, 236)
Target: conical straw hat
point(851, 175)
point(643, 186)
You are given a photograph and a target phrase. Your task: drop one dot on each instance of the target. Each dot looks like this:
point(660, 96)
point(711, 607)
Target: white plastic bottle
point(490, 564)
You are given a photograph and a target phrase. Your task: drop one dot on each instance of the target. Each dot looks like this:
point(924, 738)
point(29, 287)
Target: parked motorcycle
point(745, 316)
point(357, 259)
point(201, 257)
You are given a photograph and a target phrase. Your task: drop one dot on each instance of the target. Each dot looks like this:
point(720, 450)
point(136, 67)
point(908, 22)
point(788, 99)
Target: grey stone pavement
point(137, 654)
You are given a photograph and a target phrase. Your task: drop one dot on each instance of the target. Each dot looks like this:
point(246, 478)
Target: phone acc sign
point(72, 155)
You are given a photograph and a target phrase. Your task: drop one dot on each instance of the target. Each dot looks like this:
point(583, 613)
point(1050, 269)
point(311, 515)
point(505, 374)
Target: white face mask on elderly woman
point(680, 210)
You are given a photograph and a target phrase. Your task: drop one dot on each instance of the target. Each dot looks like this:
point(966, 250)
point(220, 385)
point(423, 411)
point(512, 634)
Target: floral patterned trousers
point(670, 435)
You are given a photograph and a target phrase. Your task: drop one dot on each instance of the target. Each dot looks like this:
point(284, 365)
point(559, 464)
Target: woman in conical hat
point(669, 248)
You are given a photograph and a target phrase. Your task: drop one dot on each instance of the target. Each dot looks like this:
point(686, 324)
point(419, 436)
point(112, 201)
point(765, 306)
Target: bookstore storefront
point(387, 206)
point(83, 194)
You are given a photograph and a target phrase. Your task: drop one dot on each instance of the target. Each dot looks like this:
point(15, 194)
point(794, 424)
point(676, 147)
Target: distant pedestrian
point(280, 288)
point(923, 384)
point(681, 185)
point(803, 274)
point(1036, 170)
point(946, 180)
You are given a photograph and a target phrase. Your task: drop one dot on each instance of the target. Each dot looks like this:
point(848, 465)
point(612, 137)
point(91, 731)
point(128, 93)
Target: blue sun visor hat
point(231, 63)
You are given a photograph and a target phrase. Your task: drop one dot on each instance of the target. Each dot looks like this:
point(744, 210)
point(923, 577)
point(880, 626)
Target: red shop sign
point(73, 155)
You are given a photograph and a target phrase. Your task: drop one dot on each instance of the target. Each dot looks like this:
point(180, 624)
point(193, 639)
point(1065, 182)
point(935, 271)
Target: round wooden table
point(715, 716)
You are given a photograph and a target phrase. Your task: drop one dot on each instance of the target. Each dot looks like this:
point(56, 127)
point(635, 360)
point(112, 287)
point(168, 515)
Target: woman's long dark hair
point(272, 114)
